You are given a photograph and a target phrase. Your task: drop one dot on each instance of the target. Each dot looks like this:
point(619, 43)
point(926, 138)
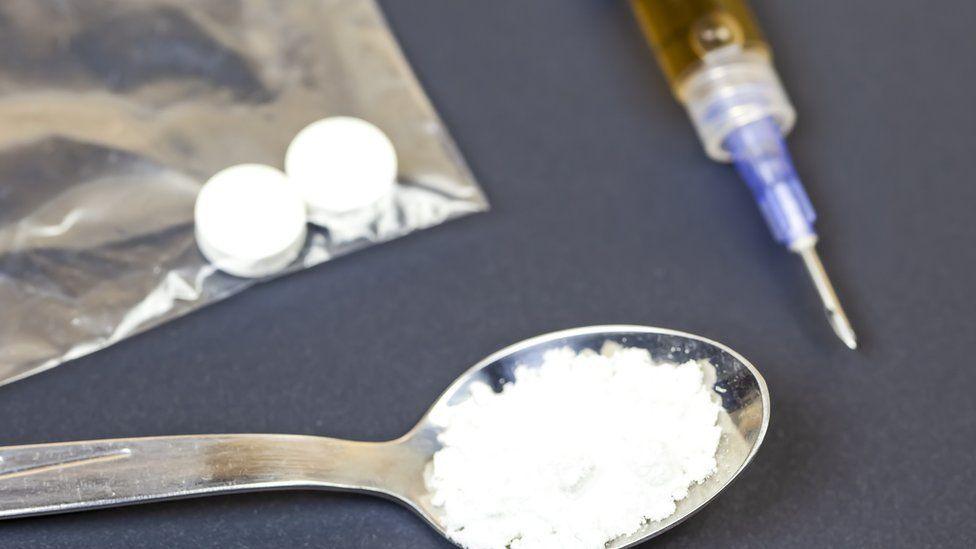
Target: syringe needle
point(835, 313)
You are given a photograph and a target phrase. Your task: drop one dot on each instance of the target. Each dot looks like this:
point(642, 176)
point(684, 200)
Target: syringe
point(720, 68)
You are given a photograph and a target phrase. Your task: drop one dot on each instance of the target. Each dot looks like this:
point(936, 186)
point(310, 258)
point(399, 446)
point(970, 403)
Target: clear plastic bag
point(113, 114)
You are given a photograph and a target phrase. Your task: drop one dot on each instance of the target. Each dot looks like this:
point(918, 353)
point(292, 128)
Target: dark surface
point(605, 210)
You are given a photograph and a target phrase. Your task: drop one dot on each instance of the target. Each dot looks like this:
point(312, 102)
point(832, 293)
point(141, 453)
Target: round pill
point(250, 221)
point(341, 164)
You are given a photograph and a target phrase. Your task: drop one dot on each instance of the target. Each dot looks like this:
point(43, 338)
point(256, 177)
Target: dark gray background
point(605, 211)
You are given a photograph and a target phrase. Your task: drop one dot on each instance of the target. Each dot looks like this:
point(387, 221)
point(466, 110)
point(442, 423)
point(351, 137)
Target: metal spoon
point(59, 478)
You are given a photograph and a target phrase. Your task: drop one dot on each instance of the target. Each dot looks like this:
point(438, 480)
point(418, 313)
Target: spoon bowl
point(64, 477)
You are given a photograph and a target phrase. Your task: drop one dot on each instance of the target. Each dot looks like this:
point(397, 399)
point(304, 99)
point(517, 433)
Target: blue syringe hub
point(764, 162)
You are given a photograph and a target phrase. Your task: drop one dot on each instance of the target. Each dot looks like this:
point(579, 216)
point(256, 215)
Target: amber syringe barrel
point(717, 64)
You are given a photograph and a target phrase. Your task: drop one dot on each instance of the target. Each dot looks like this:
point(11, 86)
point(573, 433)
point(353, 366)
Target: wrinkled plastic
point(113, 114)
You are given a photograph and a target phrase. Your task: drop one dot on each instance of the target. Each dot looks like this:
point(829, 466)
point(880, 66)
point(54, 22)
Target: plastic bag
point(113, 114)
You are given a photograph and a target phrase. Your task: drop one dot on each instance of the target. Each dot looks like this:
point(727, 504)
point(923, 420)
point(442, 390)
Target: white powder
point(575, 453)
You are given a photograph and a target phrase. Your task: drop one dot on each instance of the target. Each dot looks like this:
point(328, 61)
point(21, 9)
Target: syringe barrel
point(718, 66)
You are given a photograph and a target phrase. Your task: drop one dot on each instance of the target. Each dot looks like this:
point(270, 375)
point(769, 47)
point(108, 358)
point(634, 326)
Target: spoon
point(74, 476)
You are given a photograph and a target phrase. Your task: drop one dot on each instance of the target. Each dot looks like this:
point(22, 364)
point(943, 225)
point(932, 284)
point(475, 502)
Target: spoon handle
point(57, 478)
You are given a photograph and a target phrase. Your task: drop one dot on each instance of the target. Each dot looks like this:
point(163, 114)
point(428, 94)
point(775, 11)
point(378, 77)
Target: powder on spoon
point(574, 453)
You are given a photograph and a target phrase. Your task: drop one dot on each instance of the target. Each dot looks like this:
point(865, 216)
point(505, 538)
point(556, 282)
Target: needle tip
point(842, 327)
point(835, 313)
